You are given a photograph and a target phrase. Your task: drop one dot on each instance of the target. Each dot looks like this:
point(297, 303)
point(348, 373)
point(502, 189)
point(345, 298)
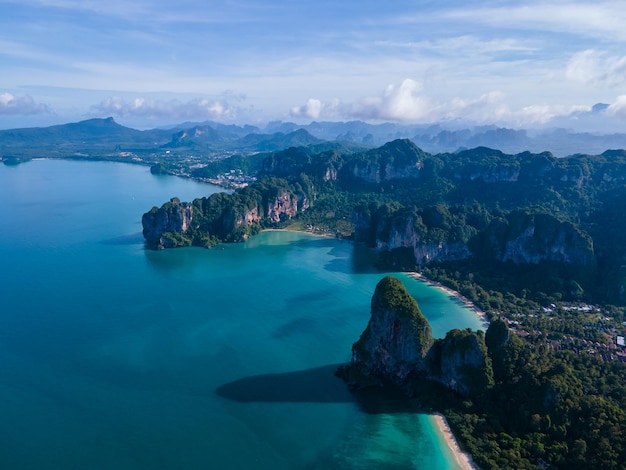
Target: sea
point(113, 356)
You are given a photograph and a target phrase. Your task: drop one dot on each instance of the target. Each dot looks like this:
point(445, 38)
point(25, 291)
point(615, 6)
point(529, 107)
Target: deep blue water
point(113, 356)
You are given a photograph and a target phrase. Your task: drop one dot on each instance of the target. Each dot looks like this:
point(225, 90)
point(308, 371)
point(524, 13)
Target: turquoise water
point(112, 356)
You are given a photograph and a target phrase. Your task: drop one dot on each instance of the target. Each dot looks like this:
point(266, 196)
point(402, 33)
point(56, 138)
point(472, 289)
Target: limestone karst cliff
point(397, 337)
point(520, 237)
point(479, 206)
point(526, 238)
point(395, 160)
point(460, 362)
point(221, 217)
point(397, 347)
point(173, 217)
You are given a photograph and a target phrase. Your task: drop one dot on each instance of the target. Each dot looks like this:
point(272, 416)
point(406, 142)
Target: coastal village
point(581, 328)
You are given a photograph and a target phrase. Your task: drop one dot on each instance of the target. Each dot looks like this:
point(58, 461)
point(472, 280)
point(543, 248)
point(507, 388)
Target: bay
point(114, 356)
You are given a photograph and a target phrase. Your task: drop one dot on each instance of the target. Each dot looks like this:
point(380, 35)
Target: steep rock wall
point(463, 364)
point(174, 217)
point(397, 337)
point(397, 347)
point(534, 238)
point(286, 206)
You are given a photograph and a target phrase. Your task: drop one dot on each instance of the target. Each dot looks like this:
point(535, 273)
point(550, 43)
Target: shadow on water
point(302, 325)
point(359, 259)
point(134, 239)
point(317, 385)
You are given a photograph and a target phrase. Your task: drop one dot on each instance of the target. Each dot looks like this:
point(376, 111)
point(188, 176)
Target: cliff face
point(463, 364)
point(400, 159)
point(221, 217)
point(397, 346)
point(402, 233)
point(173, 217)
point(285, 206)
point(520, 238)
point(535, 238)
point(397, 337)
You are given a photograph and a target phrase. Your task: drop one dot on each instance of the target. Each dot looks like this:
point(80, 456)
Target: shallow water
point(112, 356)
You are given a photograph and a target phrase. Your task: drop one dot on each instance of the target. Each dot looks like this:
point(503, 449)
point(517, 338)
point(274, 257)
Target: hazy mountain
point(215, 137)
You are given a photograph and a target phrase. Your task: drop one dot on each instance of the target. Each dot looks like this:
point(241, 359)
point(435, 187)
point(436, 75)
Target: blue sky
point(152, 63)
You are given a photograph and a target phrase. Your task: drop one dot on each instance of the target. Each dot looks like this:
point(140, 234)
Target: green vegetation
point(531, 221)
point(546, 408)
point(523, 396)
point(391, 296)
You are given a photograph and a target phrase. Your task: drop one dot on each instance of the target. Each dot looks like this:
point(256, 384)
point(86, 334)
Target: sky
point(150, 63)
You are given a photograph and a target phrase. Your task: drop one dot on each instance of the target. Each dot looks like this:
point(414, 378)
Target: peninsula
point(511, 403)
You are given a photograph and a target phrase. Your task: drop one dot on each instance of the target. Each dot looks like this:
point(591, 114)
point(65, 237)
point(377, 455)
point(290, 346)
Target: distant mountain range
point(101, 135)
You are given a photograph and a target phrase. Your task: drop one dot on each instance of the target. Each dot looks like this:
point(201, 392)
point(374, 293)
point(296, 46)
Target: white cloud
point(312, 109)
point(468, 45)
point(543, 114)
point(15, 105)
point(596, 67)
point(172, 109)
point(404, 103)
point(603, 20)
point(409, 102)
point(618, 109)
point(399, 103)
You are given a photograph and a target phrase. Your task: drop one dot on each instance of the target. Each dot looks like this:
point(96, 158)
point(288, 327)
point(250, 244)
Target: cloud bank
point(20, 105)
point(408, 102)
point(146, 108)
point(593, 67)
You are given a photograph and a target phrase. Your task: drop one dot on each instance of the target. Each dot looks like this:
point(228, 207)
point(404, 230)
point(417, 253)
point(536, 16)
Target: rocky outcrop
point(524, 238)
point(519, 237)
point(397, 337)
point(219, 218)
point(462, 362)
point(400, 159)
point(286, 206)
point(173, 217)
point(402, 233)
point(397, 347)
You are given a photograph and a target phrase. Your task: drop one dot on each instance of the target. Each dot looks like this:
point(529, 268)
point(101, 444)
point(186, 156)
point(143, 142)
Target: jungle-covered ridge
point(501, 212)
point(540, 223)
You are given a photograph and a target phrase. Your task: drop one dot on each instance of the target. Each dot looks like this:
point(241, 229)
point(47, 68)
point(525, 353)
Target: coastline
point(464, 300)
point(462, 459)
point(308, 232)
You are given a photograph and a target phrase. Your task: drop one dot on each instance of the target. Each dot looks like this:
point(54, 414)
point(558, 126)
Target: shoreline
point(308, 232)
point(457, 295)
point(463, 459)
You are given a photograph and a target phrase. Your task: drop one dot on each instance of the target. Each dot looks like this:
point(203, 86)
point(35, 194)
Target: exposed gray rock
point(397, 346)
point(174, 217)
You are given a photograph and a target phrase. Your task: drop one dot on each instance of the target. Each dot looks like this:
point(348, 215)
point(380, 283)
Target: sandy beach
point(463, 459)
point(468, 303)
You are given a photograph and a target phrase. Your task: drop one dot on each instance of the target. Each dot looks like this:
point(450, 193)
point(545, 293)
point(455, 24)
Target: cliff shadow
point(133, 239)
point(320, 385)
point(317, 385)
point(358, 259)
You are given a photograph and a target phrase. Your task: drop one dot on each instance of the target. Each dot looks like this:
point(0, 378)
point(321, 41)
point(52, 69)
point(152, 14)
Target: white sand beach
point(463, 459)
point(468, 303)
